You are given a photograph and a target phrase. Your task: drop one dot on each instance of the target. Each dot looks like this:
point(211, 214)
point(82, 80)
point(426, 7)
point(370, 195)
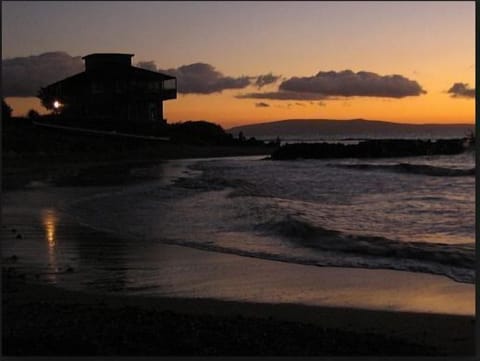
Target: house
point(110, 91)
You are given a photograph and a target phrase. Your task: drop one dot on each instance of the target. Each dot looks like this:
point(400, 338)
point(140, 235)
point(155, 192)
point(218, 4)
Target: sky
point(248, 62)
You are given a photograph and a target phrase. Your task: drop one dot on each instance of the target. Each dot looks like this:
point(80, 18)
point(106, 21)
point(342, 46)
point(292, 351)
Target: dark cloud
point(266, 79)
point(282, 95)
point(461, 90)
point(262, 105)
point(201, 78)
point(328, 85)
point(24, 76)
point(347, 83)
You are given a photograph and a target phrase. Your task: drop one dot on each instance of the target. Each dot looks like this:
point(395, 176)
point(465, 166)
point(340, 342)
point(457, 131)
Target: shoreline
point(340, 331)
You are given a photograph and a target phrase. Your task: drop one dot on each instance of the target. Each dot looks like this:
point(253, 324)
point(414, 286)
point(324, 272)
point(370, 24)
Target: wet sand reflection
point(50, 221)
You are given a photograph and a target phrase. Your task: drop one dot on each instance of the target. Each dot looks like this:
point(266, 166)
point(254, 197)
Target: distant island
point(304, 129)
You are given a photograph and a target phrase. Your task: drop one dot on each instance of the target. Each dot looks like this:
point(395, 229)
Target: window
point(170, 84)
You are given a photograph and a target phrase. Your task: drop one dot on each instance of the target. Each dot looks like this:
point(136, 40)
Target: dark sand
point(43, 320)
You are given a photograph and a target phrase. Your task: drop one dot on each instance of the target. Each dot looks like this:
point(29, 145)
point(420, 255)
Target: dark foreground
point(33, 153)
point(41, 320)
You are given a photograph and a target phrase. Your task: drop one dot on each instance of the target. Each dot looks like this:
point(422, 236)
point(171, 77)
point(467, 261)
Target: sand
point(45, 320)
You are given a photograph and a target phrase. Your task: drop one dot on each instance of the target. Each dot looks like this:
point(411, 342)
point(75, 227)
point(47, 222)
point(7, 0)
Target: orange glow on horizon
point(228, 111)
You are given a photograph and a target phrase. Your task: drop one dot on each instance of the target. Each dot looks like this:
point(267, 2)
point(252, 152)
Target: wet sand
point(265, 307)
point(46, 320)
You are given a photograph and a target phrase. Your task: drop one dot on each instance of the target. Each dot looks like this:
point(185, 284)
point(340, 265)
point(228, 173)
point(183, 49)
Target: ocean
point(413, 214)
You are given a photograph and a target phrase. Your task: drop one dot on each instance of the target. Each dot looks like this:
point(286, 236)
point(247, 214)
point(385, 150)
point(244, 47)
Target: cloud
point(202, 78)
point(266, 79)
point(281, 95)
point(262, 105)
point(24, 76)
point(199, 78)
point(347, 83)
point(461, 90)
point(331, 84)
point(148, 65)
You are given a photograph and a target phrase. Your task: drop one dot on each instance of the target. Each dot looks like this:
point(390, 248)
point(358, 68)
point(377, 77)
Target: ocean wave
point(335, 249)
point(421, 169)
point(454, 261)
point(268, 192)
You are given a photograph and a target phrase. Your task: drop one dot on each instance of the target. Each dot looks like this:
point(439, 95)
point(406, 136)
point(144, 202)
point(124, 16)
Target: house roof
point(104, 55)
point(110, 66)
point(128, 73)
point(148, 73)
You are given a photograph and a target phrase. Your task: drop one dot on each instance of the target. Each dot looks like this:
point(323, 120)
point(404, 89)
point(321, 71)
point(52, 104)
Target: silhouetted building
point(111, 90)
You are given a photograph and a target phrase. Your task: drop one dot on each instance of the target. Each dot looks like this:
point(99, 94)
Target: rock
point(377, 148)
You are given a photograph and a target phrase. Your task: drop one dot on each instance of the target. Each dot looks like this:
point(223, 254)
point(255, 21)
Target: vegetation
point(46, 98)
point(206, 133)
point(199, 133)
point(33, 115)
point(6, 111)
point(30, 148)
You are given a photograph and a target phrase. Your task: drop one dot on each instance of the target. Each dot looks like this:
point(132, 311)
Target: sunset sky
point(263, 61)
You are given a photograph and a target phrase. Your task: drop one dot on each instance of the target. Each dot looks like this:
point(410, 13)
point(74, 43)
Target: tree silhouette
point(6, 110)
point(46, 98)
point(241, 137)
point(33, 114)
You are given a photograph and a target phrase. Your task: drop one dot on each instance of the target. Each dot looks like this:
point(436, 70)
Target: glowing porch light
point(57, 104)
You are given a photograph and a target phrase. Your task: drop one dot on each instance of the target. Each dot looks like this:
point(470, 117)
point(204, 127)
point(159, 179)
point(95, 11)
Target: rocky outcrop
point(378, 148)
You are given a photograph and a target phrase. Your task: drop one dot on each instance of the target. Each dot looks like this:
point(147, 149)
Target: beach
point(210, 303)
point(41, 320)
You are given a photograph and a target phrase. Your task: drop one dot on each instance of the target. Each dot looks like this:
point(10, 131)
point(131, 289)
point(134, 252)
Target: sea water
point(415, 214)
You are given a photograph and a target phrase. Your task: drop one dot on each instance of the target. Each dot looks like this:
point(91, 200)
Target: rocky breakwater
point(377, 148)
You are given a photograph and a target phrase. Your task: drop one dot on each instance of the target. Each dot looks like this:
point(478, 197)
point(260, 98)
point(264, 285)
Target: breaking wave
point(454, 261)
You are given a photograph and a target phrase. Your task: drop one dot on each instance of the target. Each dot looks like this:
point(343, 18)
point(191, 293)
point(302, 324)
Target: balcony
point(169, 89)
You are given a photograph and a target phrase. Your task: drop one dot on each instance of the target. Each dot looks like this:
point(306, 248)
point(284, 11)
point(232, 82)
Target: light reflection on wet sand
point(50, 220)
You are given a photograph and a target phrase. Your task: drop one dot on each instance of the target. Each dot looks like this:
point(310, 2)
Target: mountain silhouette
point(354, 128)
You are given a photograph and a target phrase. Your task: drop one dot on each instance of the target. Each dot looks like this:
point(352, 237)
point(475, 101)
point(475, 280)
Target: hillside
point(354, 128)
